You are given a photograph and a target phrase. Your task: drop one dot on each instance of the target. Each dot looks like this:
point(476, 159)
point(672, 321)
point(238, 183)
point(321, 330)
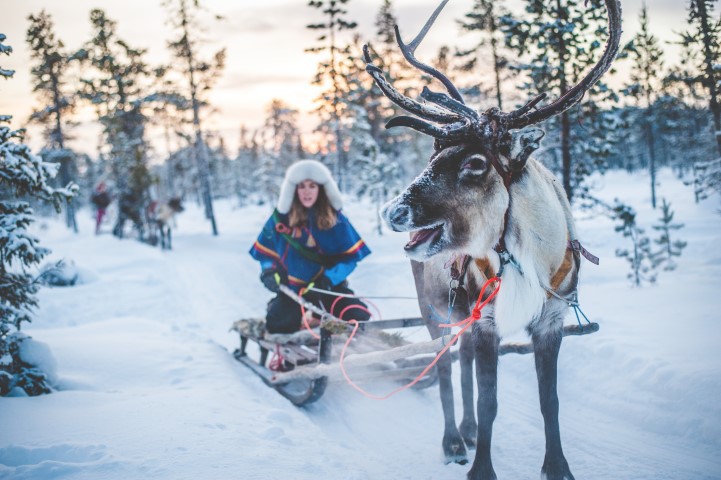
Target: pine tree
point(200, 76)
point(365, 92)
point(22, 175)
point(115, 86)
point(640, 257)
point(668, 248)
point(329, 74)
point(49, 83)
point(645, 86)
point(704, 42)
point(561, 42)
point(706, 178)
point(483, 18)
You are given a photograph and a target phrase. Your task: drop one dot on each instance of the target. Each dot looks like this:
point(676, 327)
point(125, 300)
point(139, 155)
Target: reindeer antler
point(409, 51)
point(460, 121)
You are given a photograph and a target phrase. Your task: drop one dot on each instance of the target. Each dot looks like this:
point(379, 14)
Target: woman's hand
point(271, 279)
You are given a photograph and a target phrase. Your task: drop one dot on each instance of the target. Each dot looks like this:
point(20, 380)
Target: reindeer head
point(460, 201)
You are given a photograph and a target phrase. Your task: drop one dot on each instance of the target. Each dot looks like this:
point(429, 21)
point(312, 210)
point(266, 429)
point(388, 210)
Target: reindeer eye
point(474, 164)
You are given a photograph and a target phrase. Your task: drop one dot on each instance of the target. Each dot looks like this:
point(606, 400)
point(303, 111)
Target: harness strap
point(576, 246)
point(460, 275)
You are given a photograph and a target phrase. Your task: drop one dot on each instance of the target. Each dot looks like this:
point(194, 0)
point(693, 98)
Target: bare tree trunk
point(66, 163)
point(651, 160)
point(565, 121)
point(340, 164)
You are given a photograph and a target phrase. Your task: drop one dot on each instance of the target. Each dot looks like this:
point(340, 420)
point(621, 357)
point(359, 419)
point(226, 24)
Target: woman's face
point(307, 193)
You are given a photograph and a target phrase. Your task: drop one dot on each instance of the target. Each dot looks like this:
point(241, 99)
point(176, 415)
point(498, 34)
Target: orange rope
point(302, 315)
point(464, 324)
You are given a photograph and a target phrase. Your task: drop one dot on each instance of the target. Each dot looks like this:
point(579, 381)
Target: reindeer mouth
point(425, 237)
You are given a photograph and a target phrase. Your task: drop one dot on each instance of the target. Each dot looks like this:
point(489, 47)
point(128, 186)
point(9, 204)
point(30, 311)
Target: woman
point(101, 199)
point(308, 242)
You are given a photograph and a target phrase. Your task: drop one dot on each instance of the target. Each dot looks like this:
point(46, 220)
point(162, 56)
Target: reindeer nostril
point(399, 216)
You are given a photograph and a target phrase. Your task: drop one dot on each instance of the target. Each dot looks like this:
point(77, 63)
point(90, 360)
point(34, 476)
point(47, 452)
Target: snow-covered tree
point(49, 74)
point(703, 41)
point(376, 175)
point(668, 248)
point(115, 84)
point(706, 178)
point(199, 76)
point(22, 175)
point(244, 165)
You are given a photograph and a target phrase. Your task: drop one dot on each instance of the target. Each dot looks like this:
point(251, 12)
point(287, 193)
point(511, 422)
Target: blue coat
point(339, 249)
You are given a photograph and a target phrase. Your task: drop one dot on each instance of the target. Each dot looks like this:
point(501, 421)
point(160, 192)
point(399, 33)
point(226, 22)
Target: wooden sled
point(311, 363)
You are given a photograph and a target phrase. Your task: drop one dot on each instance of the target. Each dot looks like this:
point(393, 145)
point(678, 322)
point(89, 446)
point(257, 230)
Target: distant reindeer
point(483, 197)
point(163, 217)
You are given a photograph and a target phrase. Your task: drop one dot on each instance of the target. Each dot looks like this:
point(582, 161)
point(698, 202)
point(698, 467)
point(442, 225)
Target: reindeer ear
point(523, 143)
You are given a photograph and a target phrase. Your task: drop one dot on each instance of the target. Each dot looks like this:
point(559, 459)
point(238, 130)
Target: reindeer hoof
point(469, 430)
point(484, 472)
point(454, 449)
point(556, 469)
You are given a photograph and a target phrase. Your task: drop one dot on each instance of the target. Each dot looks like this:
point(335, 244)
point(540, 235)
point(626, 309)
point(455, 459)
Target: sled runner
point(302, 364)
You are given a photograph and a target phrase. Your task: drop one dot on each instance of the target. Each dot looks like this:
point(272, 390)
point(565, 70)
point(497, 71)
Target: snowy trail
point(148, 389)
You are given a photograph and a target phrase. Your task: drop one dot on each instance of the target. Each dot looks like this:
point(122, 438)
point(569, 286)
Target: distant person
point(308, 241)
point(101, 199)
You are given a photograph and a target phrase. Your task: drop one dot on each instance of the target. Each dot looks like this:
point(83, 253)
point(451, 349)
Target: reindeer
point(483, 197)
point(162, 217)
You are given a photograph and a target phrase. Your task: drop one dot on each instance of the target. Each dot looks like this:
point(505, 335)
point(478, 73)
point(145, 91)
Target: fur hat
point(308, 170)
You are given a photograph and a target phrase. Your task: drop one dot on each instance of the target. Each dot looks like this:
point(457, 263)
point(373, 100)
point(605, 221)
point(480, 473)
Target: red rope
point(277, 360)
point(464, 324)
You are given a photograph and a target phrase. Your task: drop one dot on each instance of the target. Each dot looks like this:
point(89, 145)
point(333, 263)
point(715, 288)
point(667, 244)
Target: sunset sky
point(265, 41)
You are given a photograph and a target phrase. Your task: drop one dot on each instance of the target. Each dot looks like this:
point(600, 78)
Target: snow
point(146, 387)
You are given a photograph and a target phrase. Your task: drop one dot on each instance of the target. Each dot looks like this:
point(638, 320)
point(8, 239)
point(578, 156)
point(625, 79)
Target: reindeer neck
point(508, 176)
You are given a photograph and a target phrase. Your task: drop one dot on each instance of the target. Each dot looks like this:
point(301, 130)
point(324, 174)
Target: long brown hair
point(325, 216)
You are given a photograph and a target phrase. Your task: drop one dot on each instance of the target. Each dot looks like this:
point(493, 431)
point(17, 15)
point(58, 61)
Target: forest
point(662, 116)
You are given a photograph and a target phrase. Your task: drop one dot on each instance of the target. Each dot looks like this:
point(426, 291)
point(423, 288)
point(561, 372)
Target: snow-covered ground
point(146, 387)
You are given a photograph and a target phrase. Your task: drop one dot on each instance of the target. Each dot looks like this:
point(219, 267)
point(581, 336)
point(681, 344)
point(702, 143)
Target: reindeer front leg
point(468, 426)
point(486, 341)
point(546, 344)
